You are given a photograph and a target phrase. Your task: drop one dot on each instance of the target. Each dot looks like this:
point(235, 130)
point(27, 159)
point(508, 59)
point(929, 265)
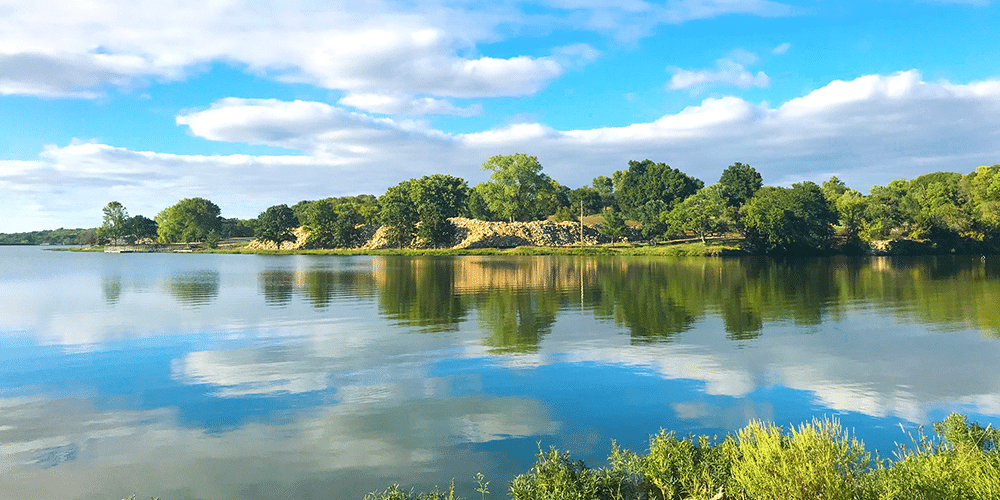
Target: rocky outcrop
point(471, 233)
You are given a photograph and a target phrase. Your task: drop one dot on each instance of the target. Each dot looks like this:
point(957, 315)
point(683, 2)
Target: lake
point(319, 377)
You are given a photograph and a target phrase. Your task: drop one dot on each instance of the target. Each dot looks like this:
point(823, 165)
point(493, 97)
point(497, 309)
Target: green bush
point(815, 460)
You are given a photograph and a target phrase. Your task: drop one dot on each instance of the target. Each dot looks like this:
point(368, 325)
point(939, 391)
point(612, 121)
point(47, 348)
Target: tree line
point(661, 201)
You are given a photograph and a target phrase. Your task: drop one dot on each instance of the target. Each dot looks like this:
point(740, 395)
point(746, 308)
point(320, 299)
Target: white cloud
point(781, 49)
point(396, 104)
point(730, 70)
point(53, 48)
point(867, 131)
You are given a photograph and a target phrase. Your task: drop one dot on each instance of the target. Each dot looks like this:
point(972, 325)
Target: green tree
point(984, 188)
point(477, 207)
point(701, 213)
point(190, 219)
point(650, 217)
point(301, 210)
point(833, 189)
point(141, 227)
point(605, 187)
point(332, 225)
point(435, 229)
point(237, 228)
point(614, 224)
point(591, 199)
point(645, 181)
point(516, 188)
point(399, 214)
point(851, 207)
point(276, 224)
point(941, 205)
point(449, 195)
point(739, 183)
point(115, 228)
point(883, 210)
point(788, 220)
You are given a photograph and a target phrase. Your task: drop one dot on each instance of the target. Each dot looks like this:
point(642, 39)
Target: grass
point(816, 460)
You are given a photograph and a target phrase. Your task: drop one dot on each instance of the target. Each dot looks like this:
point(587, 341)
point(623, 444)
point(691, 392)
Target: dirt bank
point(471, 233)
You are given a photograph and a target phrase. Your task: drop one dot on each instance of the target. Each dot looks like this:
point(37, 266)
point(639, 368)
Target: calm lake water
point(308, 377)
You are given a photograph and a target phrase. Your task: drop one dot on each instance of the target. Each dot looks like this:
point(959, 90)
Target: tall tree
point(141, 227)
point(702, 213)
point(191, 219)
point(646, 181)
point(613, 225)
point(332, 225)
point(516, 187)
point(605, 187)
point(739, 183)
point(399, 214)
point(115, 227)
point(788, 220)
point(276, 224)
point(590, 198)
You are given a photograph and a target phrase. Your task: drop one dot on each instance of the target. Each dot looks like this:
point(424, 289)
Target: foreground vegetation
point(817, 460)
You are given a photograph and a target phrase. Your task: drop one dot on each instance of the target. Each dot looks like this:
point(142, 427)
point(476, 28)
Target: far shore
point(727, 246)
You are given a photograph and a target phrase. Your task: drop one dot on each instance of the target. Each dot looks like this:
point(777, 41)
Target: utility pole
point(581, 222)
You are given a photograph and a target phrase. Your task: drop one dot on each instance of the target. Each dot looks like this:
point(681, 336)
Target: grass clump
point(815, 460)
point(393, 492)
point(963, 462)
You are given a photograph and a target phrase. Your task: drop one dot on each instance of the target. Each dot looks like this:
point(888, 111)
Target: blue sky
point(255, 103)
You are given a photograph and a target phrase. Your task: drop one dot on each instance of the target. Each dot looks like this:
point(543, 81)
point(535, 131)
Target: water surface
point(310, 377)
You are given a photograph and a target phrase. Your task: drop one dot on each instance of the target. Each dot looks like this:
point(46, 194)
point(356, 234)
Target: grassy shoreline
point(722, 247)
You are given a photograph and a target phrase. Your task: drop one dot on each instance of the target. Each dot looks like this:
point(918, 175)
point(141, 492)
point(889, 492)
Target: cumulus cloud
point(730, 70)
point(866, 131)
point(51, 48)
point(54, 49)
point(396, 104)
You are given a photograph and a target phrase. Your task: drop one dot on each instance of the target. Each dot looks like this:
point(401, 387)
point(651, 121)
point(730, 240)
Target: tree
point(834, 189)
point(984, 187)
point(141, 227)
point(276, 224)
point(399, 214)
point(614, 225)
point(851, 207)
point(650, 217)
point(429, 201)
point(190, 219)
point(788, 220)
point(448, 194)
point(591, 199)
point(516, 187)
point(605, 187)
point(477, 207)
point(435, 229)
point(332, 225)
point(739, 183)
point(938, 204)
point(883, 212)
point(645, 181)
point(237, 228)
point(115, 228)
point(701, 213)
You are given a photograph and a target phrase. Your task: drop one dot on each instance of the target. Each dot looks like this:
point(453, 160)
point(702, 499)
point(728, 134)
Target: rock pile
point(471, 233)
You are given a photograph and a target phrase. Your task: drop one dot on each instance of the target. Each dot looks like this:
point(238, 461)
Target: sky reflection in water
point(216, 376)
